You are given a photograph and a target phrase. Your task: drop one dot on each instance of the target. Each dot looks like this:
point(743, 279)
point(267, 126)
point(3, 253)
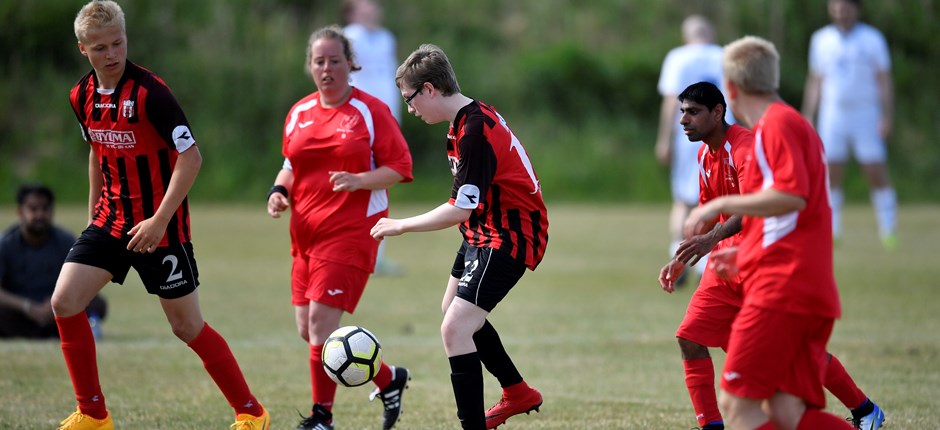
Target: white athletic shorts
point(683, 174)
point(842, 130)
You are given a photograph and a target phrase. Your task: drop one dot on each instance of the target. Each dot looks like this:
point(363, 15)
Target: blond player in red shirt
point(718, 298)
point(343, 150)
point(773, 374)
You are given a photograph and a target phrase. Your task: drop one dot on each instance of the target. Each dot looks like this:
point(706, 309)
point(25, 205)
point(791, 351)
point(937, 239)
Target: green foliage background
point(575, 80)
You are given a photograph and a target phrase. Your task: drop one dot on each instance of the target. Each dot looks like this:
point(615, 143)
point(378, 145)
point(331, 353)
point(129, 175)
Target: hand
point(701, 219)
point(691, 250)
point(725, 263)
point(146, 235)
point(277, 203)
point(669, 274)
point(386, 227)
point(663, 153)
point(40, 312)
point(345, 181)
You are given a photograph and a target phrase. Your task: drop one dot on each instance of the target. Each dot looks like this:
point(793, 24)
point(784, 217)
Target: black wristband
point(277, 189)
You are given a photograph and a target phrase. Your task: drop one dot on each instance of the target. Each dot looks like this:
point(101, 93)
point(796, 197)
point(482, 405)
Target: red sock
point(222, 367)
point(814, 419)
point(517, 390)
point(769, 425)
point(840, 384)
point(383, 377)
point(700, 380)
point(322, 387)
point(78, 347)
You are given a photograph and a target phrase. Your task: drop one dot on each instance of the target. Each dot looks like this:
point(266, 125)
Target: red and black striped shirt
point(137, 132)
point(494, 177)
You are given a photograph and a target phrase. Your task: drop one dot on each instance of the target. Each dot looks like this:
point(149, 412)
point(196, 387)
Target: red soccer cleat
point(508, 406)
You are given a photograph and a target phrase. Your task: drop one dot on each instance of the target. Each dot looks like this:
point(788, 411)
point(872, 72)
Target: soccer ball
point(352, 356)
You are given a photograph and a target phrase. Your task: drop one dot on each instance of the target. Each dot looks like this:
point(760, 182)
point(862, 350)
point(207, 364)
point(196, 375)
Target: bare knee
point(456, 336)
point(187, 330)
point(304, 333)
point(691, 350)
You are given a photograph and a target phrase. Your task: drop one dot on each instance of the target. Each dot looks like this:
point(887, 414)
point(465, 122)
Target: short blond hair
point(753, 65)
point(98, 14)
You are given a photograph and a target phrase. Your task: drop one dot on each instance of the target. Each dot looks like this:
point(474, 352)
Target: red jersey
point(720, 171)
point(494, 177)
point(137, 131)
point(358, 136)
point(786, 260)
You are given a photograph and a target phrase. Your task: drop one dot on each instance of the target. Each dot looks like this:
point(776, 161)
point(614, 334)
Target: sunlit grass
point(590, 328)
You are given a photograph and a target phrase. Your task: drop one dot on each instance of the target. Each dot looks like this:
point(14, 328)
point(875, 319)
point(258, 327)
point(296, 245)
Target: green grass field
point(591, 329)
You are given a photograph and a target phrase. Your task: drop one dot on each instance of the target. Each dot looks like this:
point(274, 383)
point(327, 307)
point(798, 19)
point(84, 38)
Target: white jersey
point(684, 66)
point(374, 51)
point(848, 64)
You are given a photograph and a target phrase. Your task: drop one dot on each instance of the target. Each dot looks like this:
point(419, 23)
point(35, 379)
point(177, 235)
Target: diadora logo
point(105, 106)
point(183, 137)
point(113, 138)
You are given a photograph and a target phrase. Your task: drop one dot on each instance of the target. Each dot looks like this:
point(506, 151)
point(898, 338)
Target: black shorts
point(169, 272)
point(486, 275)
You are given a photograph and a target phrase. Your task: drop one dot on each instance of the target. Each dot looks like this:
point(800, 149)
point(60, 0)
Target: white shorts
point(683, 174)
point(842, 130)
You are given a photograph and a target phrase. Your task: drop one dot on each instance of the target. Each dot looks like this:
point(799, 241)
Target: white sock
point(886, 206)
point(836, 199)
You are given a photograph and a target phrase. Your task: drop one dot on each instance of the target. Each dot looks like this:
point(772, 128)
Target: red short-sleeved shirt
point(720, 171)
point(786, 260)
point(359, 136)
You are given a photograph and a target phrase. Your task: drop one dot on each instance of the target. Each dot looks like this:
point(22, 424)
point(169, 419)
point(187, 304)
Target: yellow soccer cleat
point(80, 421)
point(251, 422)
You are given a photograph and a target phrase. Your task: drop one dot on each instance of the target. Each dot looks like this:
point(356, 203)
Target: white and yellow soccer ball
point(352, 356)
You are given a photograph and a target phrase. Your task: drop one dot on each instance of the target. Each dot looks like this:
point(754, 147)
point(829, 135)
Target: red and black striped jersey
point(494, 177)
point(137, 132)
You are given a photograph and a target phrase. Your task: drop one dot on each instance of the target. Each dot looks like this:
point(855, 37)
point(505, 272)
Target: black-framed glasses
point(414, 94)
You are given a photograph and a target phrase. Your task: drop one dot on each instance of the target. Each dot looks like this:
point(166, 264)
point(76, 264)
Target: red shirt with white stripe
point(358, 136)
point(786, 260)
point(720, 171)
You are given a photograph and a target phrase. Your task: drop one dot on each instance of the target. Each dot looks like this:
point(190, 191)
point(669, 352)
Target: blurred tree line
point(576, 81)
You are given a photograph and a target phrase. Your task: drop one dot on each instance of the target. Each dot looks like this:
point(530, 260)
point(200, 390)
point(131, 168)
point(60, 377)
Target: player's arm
point(95, 183)
point(278, 200)
point(148, 233)
point(764, 203)
point(811, 94)
point(667, 118)
point(379, 179)
point(694, 248)
point(439, 218)
point(886, 98)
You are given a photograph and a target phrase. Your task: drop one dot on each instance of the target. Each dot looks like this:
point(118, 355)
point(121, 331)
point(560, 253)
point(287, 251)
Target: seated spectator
point(31, 254)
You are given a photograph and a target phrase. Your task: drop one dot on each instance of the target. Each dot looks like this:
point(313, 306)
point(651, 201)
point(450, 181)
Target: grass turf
point(590, 328)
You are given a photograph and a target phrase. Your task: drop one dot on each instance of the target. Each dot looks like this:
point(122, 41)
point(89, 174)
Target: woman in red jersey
point(342, 150)
point(142, 163)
